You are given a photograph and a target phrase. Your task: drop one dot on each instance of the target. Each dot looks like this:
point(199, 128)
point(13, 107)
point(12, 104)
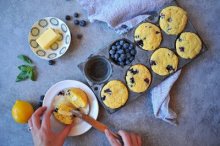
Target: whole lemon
point(22, 111)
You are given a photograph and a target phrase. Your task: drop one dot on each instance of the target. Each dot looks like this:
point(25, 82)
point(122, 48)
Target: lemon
point(22, 111)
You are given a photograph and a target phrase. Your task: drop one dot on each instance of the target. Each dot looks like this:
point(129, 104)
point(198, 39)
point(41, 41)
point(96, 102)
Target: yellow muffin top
point(163, 61)
point(114, 94)
point(62, 108)
point(147, 36)
point(138, 78)
point(77, 97)
point(173, 20)
point(188, 45)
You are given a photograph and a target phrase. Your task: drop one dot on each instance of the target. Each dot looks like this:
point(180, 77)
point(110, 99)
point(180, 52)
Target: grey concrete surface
point(195, 96)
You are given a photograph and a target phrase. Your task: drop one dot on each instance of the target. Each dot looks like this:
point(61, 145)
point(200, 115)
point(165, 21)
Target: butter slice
point(47, 38)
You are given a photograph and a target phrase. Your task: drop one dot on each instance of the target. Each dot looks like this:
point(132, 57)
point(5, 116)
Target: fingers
point(139, 140)
point(134, 139)
point(112, 140)
point(125, 137)
point(46, 119)
point(35, 118)
point(65, 132)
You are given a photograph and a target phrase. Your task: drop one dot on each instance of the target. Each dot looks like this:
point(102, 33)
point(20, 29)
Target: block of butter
point(47, 38)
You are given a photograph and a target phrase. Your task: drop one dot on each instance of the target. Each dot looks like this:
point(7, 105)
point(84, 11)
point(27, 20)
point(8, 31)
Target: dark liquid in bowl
point(98, 69)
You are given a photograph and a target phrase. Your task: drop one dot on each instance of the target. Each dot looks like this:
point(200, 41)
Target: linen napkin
point(123, 15)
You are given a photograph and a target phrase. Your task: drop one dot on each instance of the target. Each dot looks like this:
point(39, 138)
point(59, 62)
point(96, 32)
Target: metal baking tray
point(116, 72)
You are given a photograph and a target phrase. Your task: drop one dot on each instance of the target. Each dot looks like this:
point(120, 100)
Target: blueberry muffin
point(164, 61)
point(173, 20)
point(114, 94)
point(63, 105)
point(77, 97)
point(188, 45)
point(147, 36)
point(138, 78)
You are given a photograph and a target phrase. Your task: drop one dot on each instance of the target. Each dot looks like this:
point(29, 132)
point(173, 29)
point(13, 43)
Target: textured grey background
point(195, 96)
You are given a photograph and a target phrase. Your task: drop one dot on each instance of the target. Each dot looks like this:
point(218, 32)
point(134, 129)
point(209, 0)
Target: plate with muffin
point(68, 95)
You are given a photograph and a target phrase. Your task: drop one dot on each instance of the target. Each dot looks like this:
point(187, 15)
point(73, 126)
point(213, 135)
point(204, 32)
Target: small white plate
point(59, 47)
point(81, 126)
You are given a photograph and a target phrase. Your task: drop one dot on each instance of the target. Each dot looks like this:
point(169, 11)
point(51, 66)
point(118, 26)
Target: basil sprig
point(26, 71)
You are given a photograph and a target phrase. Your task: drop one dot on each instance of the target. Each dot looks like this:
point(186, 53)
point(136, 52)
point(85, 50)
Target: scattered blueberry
point(76, 15)
point(68, 17)
point(56, 109)
point(51, 62)
point(82, 23)
point(124, 26)
point(40, 104)
point(76, 22)
point(181, 49)
point(42, 97)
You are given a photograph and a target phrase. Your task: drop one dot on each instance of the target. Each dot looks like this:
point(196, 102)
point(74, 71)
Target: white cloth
point(123, 15)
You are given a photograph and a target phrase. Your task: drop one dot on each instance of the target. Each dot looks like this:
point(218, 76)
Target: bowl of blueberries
point(122, 52)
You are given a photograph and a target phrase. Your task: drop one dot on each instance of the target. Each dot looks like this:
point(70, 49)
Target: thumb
point(64, 133)
point(112, 140)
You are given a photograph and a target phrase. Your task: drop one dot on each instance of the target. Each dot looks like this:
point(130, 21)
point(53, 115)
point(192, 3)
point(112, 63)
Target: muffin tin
point(116, 72)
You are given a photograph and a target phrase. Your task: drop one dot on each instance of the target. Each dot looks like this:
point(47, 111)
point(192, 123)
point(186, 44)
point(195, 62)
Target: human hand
point(129, 139)
point(41, 131)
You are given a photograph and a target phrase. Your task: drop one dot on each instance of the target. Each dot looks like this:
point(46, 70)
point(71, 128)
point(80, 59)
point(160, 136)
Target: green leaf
point(25, 59)
point(22, 76)
point(25, 68)
point(31, 75)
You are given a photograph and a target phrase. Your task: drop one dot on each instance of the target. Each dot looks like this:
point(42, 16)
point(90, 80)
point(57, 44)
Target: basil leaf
point(22, 76)
point(25, 68)
point(31, 75)
point(25, 59)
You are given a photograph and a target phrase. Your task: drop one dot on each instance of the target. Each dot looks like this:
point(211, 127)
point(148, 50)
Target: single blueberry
point(131, 58)
point(111, 52)
point(127, 62)
point(51, 62)
point(117, 43)
point(116, 56)
point(122, 42)
point(128, 55)
point(126, 45)
point(112, 56)
point(82, 23)
point(113, 47)
point(76, 15)
point(121, 63)
point(76, 22)
point(118, 47)
point(127, 50)
point(131, 45)
point(42, 97)
point(120, 51)
point(123, 56)
point(68, 17)
point(133, 52)
point(120, 59)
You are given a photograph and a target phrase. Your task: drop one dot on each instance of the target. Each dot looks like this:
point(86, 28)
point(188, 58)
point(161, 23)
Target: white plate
point(59, 47)
point(81, 126)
